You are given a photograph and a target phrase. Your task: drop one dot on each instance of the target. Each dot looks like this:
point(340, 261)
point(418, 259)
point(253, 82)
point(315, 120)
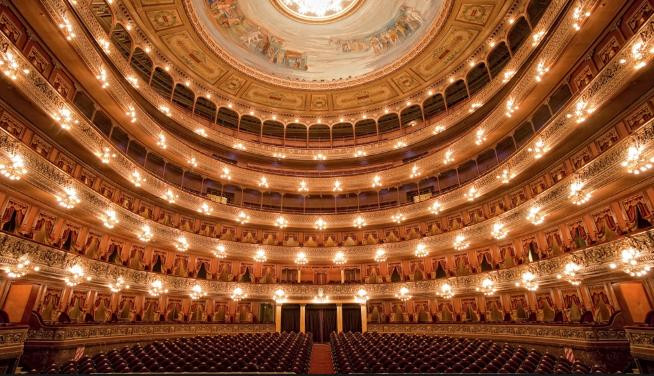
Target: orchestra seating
point(260, 352)
point(404, 353)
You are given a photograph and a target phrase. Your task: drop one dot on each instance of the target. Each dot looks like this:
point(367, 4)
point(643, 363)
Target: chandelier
point(487, 287)
point(577, 194)
point(181, 244)
point(242, 217)
point(303, 187)
point(361, 297)
point(65, 118)
point(581, 112)
point(226, 174)
point(460, 242)
point(415, 172)
point(380, 255)
point(337, 186)
point(119, 285)
point(570, 271)
point(281, 222)
point(10, 66)
point(635, 163)
point(480, 137)
point(535, 216)
point(359, 222)
point(421, 250)
point(630, 262)
point(320, 224)
point(321, 297)
point(301, 258)
point(472, 194)
point(398, 217)
point(541, 70)
point(14, 170)
point(528, 281)
point(376, 181)
point(403, 294)
point(238, 294)
point(279, 296)
point(511, 107)
point(197, 292)
point(137, 179)
point(449, 157)
point(260, 256)
point(109, 219)
point(69, 199)
point(446, 291)
point(205, 209)
point(538, 149)
point(157, 288)
point(436, 207)
point(20, 268)
point(263, 182)
point(76, 276)
point(146, 234)
point(499, 232)
point(505, 176)
point(170, 196)
point(339, 258)
point(193, 162)
point(220, 252)
point(105, 155)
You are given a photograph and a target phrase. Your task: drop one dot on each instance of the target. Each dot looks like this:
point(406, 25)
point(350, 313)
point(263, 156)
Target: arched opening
point(319, 135)
point(273, 132)
point(205, 109)
point(296, 134)
point(342, 134)
point(183, 97)
point(498, 58)
point(84, 104)
point(250, 124)
point(142, 64)
point(477, 78)
point(365, 128)
point(505, 148)
point(121, 40)
point(388, 123)
point(536, 9)
point(456, 93)
point(486, 161)
point(227, 118)
point(433, 106)
point(162, 83)
point(411, 116)
point(518, 34)
point(102, 13)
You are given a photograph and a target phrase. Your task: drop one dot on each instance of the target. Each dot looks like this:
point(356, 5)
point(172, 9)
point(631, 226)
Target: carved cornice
point(54, 263)
point(605, 85)
point(75, 334)
point(553, 47)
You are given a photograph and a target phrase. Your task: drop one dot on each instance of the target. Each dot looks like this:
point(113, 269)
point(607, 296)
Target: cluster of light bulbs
point(460, 243)
point(69, 199)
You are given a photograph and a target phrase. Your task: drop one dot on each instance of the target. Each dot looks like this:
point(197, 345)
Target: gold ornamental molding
point(54, 264)
point(605, 85)
point(554, 45)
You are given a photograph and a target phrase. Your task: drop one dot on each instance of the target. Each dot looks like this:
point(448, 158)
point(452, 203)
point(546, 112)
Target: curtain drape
point(291, 318)
point(351, 318)
point(320, 321)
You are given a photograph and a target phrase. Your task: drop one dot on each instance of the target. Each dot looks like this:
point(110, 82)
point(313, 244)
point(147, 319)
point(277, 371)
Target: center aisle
point(321, 359)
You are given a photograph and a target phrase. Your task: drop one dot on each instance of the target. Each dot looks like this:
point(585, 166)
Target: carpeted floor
point(321, 359)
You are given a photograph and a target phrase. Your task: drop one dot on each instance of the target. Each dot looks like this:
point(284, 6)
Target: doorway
point(320, 321)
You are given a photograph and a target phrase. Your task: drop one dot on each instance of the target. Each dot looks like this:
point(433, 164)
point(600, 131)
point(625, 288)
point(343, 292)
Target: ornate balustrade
point(12, 340)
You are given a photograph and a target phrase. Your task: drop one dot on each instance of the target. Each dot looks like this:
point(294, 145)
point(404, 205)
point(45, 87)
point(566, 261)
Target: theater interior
point(326, 186)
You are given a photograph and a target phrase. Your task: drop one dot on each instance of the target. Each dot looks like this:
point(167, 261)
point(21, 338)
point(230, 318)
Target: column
point(299, 275)
point(342, 275)
point(339, 318)
point(278, 318)
point(364, 318)
point(302, 318)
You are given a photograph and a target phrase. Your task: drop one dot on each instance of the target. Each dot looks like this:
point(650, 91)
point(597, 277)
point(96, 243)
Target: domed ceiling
point(318, 57)
point(318, 40)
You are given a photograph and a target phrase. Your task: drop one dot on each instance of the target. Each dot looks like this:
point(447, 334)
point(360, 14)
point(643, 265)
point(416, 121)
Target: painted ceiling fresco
point(364, 37)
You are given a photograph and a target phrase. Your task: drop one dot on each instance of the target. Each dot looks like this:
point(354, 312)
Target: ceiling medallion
point(317, 11)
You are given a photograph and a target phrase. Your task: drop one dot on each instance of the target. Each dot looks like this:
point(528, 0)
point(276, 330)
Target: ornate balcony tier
point(554, 47)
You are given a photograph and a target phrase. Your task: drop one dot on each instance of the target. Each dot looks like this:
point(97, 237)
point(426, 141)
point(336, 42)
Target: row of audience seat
point(260, 352)
point(373, 352)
